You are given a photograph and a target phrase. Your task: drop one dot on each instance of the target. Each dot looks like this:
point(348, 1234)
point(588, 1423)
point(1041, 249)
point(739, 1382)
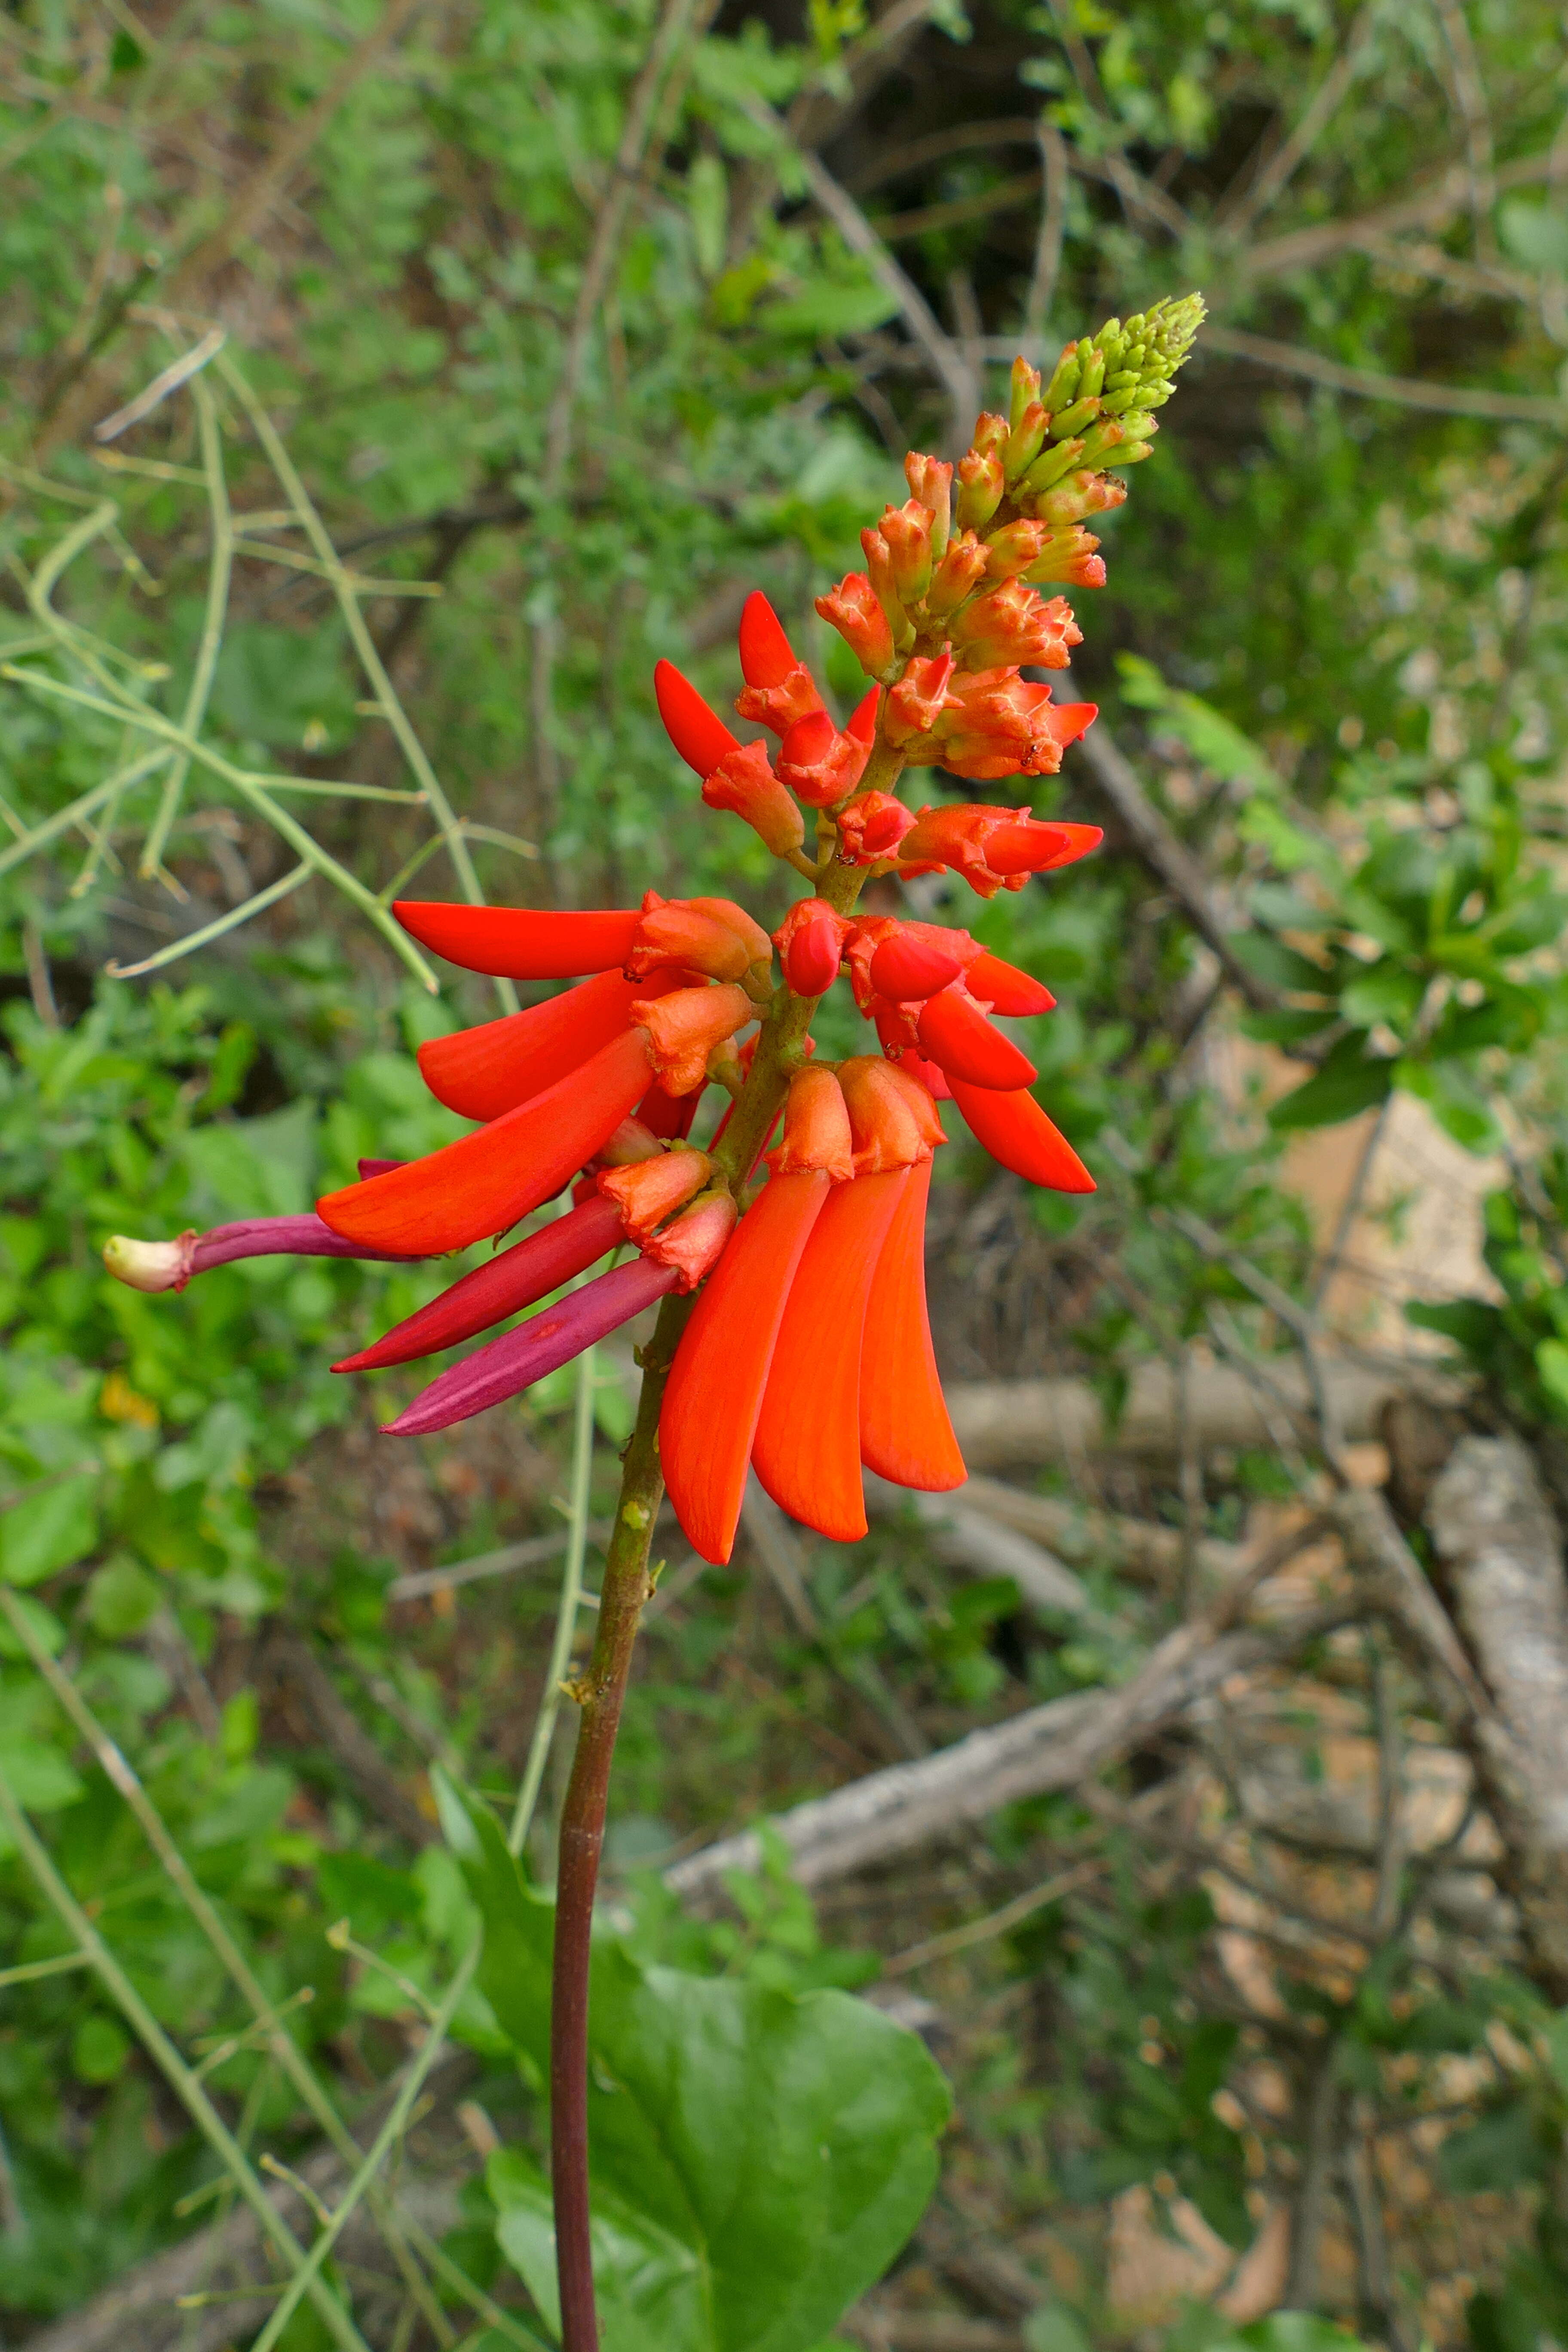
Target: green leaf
point(1291, 2331)
point(1211, 739)
point(39, 1777)
point(48, 1531)
point(1348, 1082)
point(1272, 960)
point(1502, 2151)
point(1535, 233)
point(1055, 2329)
point(759, 2155)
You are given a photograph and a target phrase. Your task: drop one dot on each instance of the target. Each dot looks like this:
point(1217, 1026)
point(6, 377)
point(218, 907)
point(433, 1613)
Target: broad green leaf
point(1291, 2331)
point(1502, 2151)
point(49, 1529)
point(39, 1777)
point(1347, 1083)
point(1208, 734)
point(759, 2155)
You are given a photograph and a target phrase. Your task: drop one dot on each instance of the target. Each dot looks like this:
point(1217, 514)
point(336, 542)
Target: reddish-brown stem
point(600, 1690)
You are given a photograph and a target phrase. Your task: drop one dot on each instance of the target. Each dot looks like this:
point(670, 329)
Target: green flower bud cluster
point(1097, 405)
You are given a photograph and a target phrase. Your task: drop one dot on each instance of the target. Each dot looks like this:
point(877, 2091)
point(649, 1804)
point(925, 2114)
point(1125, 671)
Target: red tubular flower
point(779, 689)
point(819, 764)
point(853, 610)
point(744, 784)
point(693, 726)
point(954, 1033)
point(806, 1451)
point(691, 1245)
point(709, 1417)
point(1016, 1133)
point(1006, 989)
point(507, 1366)
point(963, 835)
point(487, 1181)
point(872, 827)
point(668, 1116)
point(683, 1028)
point(911, 964)
point(919, 695)
point(1013, 625)
point(518, 1277)
point(708, 935)
point(522, 942)
point(905, 1431)
point(810, 942)
point(652, 1189)
point(816, 1134)
point(481, 1072)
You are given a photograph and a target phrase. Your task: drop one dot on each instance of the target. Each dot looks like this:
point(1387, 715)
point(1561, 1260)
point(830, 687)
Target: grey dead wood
point(1003, 1424)
point(1139, 1548)
point(980, 1545)
point(1058, 1745)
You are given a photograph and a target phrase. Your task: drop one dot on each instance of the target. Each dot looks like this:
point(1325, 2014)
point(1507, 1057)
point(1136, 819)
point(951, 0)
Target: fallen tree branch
point(1139, 1547)
point(981, 1545)
point(1051, 1746)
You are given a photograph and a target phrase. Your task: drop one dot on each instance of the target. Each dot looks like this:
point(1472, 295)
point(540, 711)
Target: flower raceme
point(804, 1350)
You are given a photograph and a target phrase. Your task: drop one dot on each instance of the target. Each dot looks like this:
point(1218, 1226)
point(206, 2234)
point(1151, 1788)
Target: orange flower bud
point(810, 942)
point(915, 702)
point(709, 935)
point(819, 764)
point(957, 575)
point(1012, 625)
point(816, 1128)
point(931, 481)
point(1069, 556)
point(872, 827)
point(695, 1241)
point(893, 1121)
point(981, 485)
point(649, 1192)
point(884, 584)
point(907, 532)
point(781, 706)
point(744, 784)
point(631, 1143)
point(1013, 550)
point(852, 608)
point(684, 1027)
point(989, 846)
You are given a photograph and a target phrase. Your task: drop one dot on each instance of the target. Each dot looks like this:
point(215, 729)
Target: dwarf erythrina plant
point(793, 1337)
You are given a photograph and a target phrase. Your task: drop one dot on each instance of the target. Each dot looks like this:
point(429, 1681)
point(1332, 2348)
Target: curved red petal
point(483, 1072)
point(518, 1277)
point(693, 726)
point(487, 1181)
point(522, 942)
point(767, 657)
point(808, 1446)
point(955, 1033)
point(862, 720)
point(906, 968)
point(714, 1395)
point(1016, 1133)
point(1006, 989)
point(905, 1433)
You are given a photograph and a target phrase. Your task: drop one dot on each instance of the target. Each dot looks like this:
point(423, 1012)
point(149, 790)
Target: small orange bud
point(892, 1121)
point(816, 1128)
point(694, 1242)
point(647, 1193)
point(744, 784)
point(684, 1027)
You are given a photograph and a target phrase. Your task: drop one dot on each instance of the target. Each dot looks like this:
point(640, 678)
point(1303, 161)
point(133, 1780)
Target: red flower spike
point(1007, 990)
point(853, 610)
point(693, 1243)
point(806, 1451)
point(816, 1135)
point(767, 657)
point(695, 729)
point(907, 532)
point(892, 1119)
point(518, 1277)
point(819, 764)
point(487, 1181)
point(684, 1027)
point(708, 935)
point(1016, 1133)
point(522, 942)
point(918, 698)
point(1013, 625)
point(960, 571)
point(810, 942)
point(905, 1431)
point(862, 720)
point(667, 1116)
point(653, 1189)
point(714, 1394)
point(744, 784)
point(954, 1033)
point(872, 827)
point(482, 1072)
point(907, 966)
point(931, 481)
